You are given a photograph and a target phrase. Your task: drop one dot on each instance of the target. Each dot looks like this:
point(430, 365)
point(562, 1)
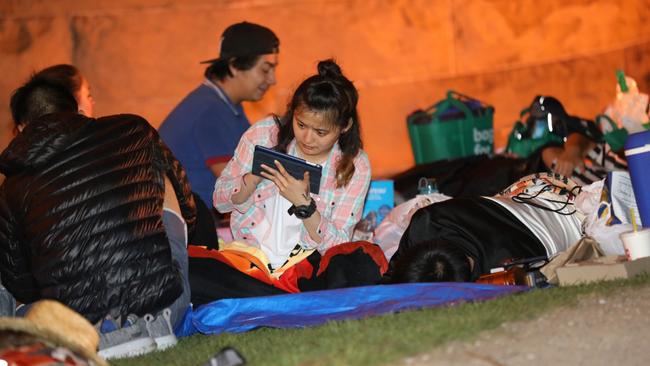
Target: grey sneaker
point(160, 329)
point(129, 341)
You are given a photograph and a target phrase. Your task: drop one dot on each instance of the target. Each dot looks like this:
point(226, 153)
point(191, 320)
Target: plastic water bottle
point(427, 186)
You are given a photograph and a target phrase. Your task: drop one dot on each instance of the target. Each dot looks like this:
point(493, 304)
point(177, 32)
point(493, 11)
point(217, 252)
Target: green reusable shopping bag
point(614, 136)
point(455, 127)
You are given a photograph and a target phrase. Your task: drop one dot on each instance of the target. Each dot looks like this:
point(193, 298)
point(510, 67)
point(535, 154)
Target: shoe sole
point(130, 349)
point(165, 342)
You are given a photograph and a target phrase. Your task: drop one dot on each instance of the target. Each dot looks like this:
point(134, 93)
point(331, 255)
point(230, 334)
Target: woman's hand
point(294, 190)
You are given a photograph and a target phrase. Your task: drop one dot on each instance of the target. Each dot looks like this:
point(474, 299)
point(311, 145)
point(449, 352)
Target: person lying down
point(460, 239)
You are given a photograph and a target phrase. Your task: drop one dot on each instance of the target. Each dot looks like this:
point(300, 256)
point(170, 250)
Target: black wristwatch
point(304, 211)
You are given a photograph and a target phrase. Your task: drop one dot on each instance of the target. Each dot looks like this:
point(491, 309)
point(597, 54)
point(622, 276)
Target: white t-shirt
point(556, 230)
point(280, 233)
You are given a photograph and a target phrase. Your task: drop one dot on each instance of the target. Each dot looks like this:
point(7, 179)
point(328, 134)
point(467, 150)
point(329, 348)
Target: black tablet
point(294, 165)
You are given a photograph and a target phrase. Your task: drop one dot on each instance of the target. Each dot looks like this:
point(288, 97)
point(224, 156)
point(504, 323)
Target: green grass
point(381, 339)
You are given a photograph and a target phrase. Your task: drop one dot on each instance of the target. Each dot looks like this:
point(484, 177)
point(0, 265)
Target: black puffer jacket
point(80, 215)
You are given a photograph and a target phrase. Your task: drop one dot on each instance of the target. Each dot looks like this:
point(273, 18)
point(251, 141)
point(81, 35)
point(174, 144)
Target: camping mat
point(317, 307)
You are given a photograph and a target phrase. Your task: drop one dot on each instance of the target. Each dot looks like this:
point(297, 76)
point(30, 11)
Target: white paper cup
point(636, 244)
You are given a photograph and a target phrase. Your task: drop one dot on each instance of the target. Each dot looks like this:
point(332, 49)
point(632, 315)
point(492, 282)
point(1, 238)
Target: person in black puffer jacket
point(81, 208)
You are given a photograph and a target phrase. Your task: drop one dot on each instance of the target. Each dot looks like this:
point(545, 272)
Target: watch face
point(303, 212)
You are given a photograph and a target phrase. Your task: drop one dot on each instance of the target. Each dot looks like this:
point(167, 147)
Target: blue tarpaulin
point(317, 307)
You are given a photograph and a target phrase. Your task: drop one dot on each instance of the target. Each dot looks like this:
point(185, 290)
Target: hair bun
point(329, 68)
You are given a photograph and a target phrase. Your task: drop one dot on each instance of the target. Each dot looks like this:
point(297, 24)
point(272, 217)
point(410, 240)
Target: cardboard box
point(604, 268)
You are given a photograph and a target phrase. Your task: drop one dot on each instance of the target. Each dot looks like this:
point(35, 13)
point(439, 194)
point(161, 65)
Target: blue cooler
point(637, 151)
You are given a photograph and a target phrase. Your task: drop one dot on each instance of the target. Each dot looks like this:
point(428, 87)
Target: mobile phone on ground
point(295, 166)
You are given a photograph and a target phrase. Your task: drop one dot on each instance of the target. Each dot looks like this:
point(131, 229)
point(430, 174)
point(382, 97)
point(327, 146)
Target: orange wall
point(141, 56)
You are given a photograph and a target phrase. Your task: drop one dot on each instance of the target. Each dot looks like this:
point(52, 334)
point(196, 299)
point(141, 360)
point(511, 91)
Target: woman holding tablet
point(276, 212)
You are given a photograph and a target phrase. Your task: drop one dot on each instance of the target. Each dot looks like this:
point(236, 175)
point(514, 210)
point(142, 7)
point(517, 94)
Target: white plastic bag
point(589, 198)
point(607, 204)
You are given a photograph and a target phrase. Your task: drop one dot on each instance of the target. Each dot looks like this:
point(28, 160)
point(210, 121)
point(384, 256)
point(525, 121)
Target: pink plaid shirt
point(340, 208)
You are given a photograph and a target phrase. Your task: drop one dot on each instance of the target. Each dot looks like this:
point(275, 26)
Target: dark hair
point(40, 96)
point(432, 261)
point(331, 93)
point(220, 68)
point(64, 74)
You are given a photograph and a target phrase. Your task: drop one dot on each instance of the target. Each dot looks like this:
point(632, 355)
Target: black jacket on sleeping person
point(483, 229)
point(81, 215)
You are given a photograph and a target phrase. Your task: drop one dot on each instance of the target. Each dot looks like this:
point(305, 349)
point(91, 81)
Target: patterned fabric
point(340, 208)
point(259, 259)
point(543, 185)
point(598, 162)
point(251, 261)
point(551, 187)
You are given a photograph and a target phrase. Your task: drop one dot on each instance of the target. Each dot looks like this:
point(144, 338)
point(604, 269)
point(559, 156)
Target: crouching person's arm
point(564, 160)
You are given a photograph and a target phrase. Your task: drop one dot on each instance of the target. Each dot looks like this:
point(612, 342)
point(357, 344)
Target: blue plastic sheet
point(317, 307)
